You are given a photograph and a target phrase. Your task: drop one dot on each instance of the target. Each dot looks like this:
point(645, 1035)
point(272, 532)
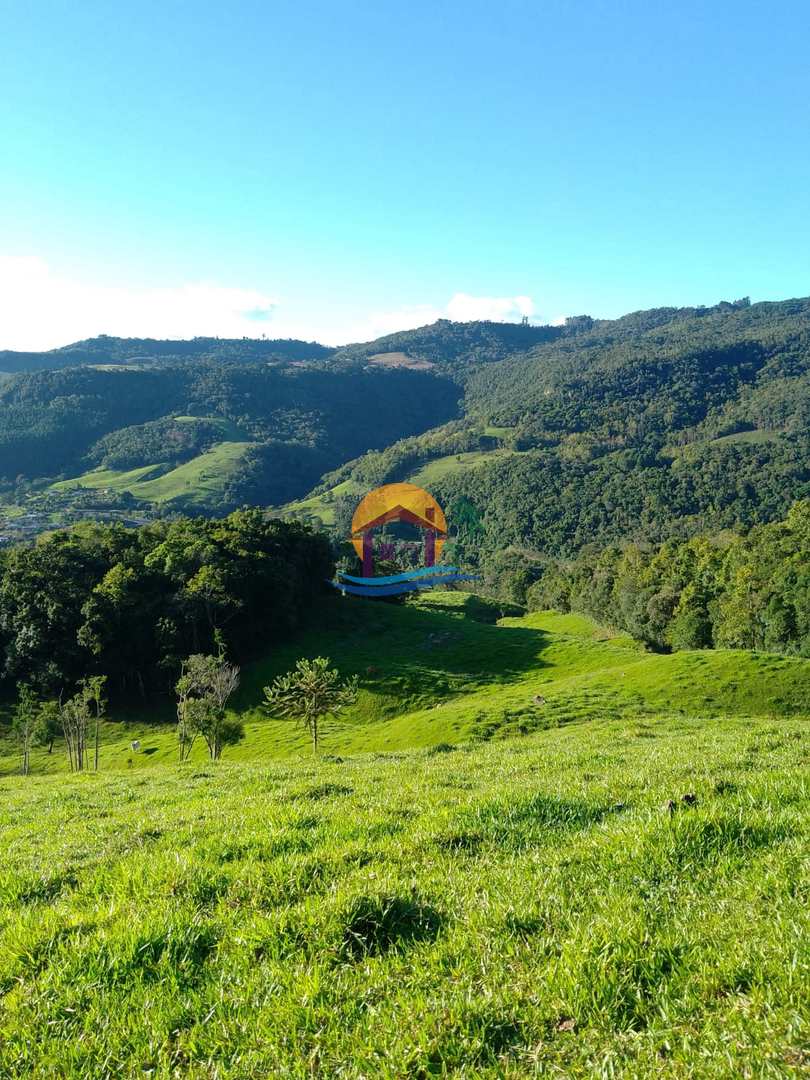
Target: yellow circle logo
point(399, 502)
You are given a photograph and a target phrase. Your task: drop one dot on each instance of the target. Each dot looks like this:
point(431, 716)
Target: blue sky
point(339, 170)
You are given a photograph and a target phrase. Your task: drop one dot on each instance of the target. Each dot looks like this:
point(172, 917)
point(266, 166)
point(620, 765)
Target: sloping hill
point(201, 483)
point(448, 668)
point(139, 352)
point(62, 424)
point(659, 424)
point(694, 366)
point(617, 895)
point(460, 348)
point(623, 879)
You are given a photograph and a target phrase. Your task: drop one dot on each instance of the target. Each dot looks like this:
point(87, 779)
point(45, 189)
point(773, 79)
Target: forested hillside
point(150, 351)
point(456, 347)
point(662, 424)
point(724, 591)
point(97, 424)
point(539, 440)
point(132, 603)
point(293, 422)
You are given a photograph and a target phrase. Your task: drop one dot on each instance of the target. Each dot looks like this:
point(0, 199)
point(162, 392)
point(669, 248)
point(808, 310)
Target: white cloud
point(460, 308)
point(40, 309)
point(380, 323)
point(465, 308)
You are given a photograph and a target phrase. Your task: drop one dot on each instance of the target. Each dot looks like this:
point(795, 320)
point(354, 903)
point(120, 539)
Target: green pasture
point(451, 668)
point(600, 900)
point(200, 480)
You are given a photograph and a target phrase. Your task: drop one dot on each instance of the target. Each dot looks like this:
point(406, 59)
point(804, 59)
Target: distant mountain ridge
point(659, 424)
point(444, 344)
point(538, 439)
point(117, 350)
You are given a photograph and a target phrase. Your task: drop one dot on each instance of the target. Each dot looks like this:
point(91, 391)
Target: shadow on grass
point(180, 951)
point(407, 650)
point(35, 888)
point(376, 925)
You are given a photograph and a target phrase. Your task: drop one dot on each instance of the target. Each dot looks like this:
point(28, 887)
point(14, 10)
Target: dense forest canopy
point(132, 603)
point(726, 590)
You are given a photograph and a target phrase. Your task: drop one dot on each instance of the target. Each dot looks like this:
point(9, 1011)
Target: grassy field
point(199, 480)
point(758, 437)
point(447, 668)
point(319, 506)
point(531, 849)
point(442, 467)
point(400, 360)
point(551, 905)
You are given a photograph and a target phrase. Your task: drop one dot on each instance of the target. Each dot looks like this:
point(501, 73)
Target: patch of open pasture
point(580, 901)
point(453, 668)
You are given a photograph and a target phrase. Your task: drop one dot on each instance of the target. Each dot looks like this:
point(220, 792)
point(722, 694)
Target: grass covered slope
point(532, 906)
point(201, 480)
point(448, 668)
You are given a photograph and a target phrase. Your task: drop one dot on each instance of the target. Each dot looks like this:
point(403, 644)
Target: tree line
point(104, 608)
point(132, 604)
point(307, 695)
point(726, 590)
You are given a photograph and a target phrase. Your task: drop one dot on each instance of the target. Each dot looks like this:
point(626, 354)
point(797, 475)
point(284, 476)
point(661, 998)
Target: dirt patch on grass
point(400, 360)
